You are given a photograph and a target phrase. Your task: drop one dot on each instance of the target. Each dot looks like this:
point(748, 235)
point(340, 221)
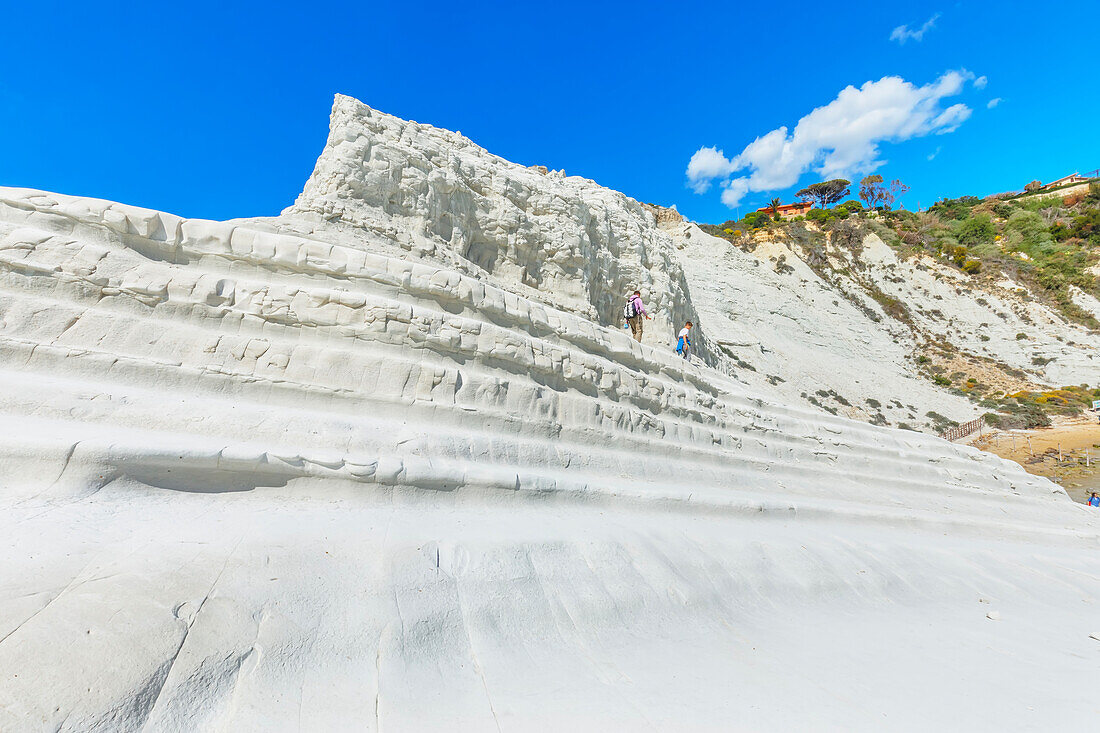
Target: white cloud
point(733, 191)
point(707, 164)
point(901, 34)
point(950, 119)
point(839, 139)
point(934, 153)
point(993, 102)
point(980, 82)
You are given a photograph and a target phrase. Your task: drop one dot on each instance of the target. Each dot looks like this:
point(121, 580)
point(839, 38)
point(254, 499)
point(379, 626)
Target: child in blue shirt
point(683, 343)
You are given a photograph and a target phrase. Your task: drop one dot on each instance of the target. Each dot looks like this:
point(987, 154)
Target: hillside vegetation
point(1002, 255)
point(1048, 243)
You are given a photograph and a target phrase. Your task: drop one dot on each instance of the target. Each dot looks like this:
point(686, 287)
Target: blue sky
point(219, 110)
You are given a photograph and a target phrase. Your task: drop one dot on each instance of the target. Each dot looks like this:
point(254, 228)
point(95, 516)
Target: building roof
point(788, 207)
point(1065, 179)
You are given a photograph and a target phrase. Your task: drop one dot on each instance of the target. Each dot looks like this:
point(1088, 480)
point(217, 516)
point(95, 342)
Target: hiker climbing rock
point(634, 312)
point(683, 340)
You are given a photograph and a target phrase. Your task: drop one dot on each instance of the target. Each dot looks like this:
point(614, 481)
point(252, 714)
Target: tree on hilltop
point(825, 193)
point(774, 206)
point(897, 190)
point(876, 193)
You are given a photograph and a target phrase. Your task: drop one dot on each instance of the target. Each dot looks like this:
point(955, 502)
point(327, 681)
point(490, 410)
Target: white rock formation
point(416, 190)
point(792, 332)
point(388, 479)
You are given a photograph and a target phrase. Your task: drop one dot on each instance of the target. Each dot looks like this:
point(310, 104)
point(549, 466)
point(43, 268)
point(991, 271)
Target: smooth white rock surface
point(285, 475)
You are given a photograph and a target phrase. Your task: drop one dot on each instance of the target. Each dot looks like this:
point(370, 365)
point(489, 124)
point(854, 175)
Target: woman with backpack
point(633, 312)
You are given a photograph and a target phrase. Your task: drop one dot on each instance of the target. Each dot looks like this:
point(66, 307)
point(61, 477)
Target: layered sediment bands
point(341, 335)
point(310, 473)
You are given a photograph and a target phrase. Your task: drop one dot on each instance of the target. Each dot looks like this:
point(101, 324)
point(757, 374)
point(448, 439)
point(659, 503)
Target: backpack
point(630, 310)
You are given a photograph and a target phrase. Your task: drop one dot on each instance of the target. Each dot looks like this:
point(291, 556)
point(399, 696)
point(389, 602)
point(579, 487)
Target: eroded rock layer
point(435, 194)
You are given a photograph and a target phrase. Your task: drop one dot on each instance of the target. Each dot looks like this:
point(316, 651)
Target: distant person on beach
point(683, 340)
point(634, 312)
point(1094, 500)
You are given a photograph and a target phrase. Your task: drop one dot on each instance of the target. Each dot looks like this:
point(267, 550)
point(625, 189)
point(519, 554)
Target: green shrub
point(957, 209)
point(1024, 421)
point(756, 220)
point(1028, 416)
point(848, 208)
point(1032, 232)
point(958, 255)
point(1084, 226)
point(941, 421)
point(975, 230)
point(822, 216)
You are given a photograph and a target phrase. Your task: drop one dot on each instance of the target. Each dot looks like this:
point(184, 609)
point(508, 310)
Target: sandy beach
point(1038, 452)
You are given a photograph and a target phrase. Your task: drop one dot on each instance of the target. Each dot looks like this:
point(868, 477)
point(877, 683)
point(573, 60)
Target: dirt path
point(1037, 452)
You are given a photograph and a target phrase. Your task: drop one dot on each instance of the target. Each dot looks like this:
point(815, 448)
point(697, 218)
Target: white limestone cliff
point(433, 194)
point(370, 465)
